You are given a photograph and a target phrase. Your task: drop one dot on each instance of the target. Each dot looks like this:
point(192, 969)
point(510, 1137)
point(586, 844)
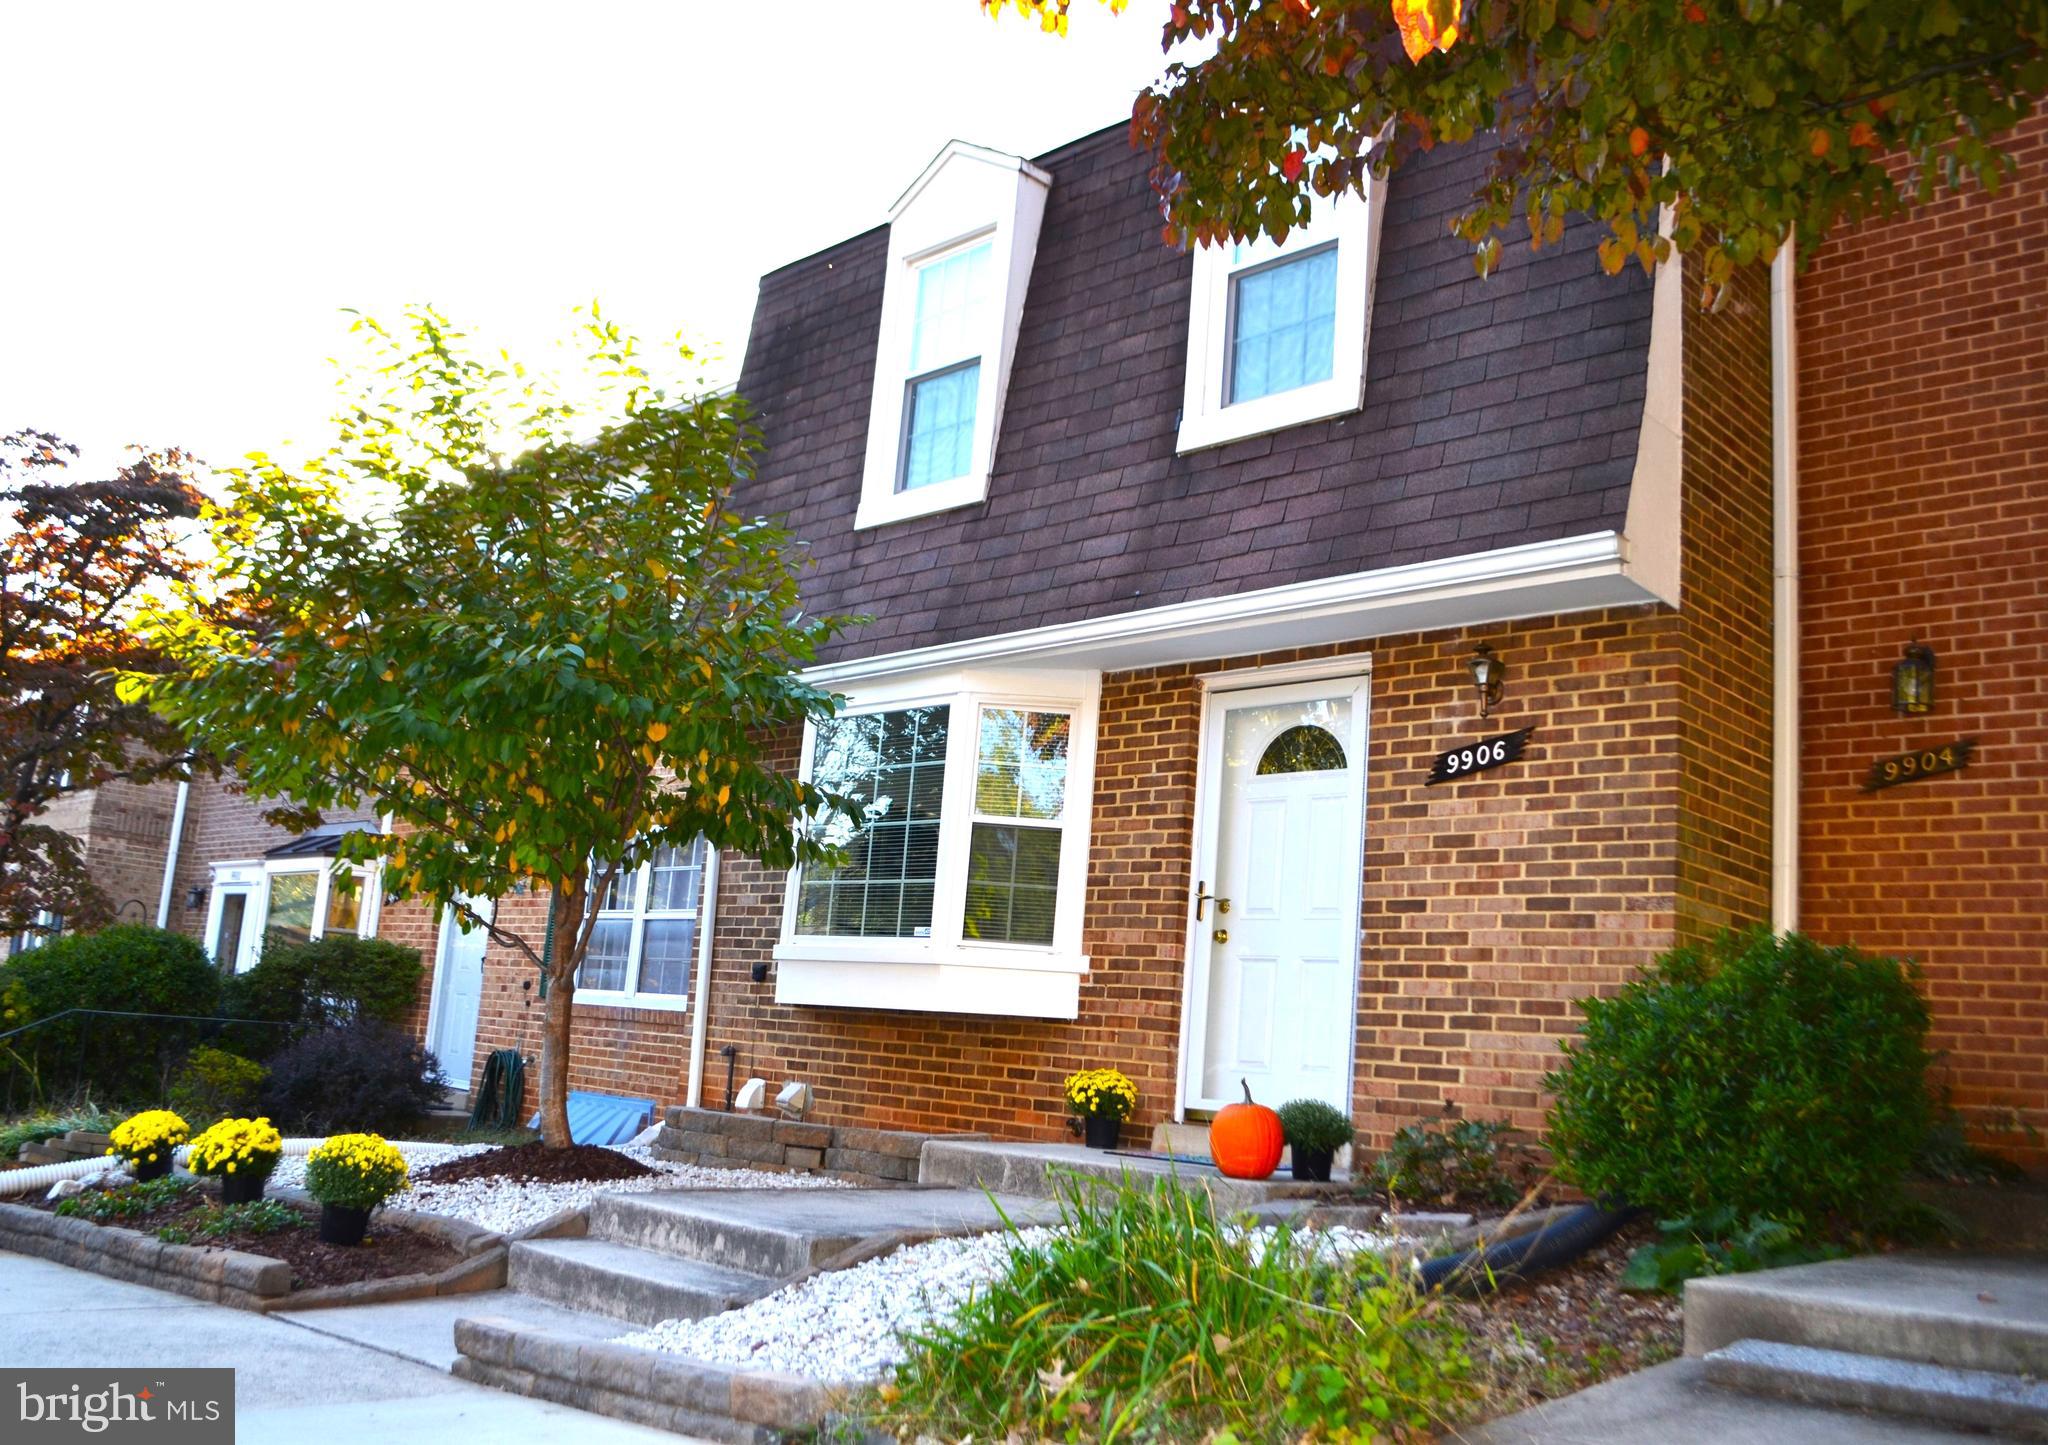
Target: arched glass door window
point(1304, 748)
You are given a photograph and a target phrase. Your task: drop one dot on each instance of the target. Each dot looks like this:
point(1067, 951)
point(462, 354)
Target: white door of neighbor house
point(458, 988)
point(1273, 957)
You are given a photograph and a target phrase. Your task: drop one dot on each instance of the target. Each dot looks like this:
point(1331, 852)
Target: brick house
point(1175, 566)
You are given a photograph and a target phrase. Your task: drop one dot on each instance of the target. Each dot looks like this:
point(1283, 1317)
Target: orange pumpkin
point(1245, 1139)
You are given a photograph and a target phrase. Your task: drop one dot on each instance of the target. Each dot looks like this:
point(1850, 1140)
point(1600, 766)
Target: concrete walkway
point(291, 1384)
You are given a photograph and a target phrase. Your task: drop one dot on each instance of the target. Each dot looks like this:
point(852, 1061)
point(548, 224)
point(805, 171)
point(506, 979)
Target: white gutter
point(163, 901)
point(1784, 596)
point(1535, 578)
point(700, 1015)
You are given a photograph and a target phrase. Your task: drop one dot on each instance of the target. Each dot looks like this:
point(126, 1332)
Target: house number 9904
point(1923, 763)
point(1477, 757)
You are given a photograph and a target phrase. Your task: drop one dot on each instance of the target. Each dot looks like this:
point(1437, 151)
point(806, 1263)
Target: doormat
point(1200, 1160)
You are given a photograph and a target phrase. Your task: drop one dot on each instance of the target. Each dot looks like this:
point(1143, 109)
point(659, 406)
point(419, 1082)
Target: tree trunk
point(554, 1043)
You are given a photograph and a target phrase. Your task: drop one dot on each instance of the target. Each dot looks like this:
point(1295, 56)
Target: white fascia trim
point(1655, 489)
point(1568, 575)
point(1205, 420)
point(930, 988)
point(987, 196)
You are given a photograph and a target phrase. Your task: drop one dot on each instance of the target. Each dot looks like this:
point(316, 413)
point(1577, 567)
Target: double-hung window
point(945, 366)
point(1277, 331)
point(644, 942)
point(959, 880)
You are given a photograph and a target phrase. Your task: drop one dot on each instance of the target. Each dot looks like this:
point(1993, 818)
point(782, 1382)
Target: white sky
point(196, 189)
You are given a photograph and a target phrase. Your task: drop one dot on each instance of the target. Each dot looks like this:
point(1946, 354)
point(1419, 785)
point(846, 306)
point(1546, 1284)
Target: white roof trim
point(1002, 160)
point(1569, 575)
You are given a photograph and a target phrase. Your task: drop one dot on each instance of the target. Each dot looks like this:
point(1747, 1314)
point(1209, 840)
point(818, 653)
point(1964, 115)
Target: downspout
point(1784, 596)
point(163, 900)
point(700, 1016)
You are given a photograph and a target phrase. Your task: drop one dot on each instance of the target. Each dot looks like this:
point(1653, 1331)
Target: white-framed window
point(290, 900)
point(961, 245)
point(1277, 331)
point(962, 887)
point(645, 943)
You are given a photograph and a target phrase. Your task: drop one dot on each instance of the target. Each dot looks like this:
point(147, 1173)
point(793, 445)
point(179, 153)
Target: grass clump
point(38, 1127)
point(1145, 1318)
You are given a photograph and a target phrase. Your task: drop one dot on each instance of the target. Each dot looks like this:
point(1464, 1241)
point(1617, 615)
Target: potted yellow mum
point(351, 1174)
point(1104, 1098)
point(240, 1153)
point(145, 1141)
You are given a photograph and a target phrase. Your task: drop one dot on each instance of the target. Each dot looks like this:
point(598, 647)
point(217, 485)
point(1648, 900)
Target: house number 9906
point(1477, 757)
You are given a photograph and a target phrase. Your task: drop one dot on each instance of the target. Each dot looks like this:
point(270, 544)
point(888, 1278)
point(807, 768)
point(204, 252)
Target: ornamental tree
point(528, 630)
point(1753, 120)
point(77, 559)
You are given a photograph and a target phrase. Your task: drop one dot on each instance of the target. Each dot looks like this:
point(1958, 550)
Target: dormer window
point(961, 244)
point(1277, 332)
point(945, 361)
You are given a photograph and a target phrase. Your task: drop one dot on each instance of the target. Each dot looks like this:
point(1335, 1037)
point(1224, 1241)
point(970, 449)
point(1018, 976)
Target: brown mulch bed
point(386, 1252)
point(1570, 1327)
point(538, 1164)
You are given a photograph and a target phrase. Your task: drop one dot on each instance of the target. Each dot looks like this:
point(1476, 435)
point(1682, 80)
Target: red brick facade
point(1923, 407)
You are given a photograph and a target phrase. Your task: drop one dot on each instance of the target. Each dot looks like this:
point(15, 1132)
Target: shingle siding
point(1497, 412)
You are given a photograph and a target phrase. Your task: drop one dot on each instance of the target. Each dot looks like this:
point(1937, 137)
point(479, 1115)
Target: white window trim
point(946, 972)
point(1205, 420)
point(967, 195)
point(638, 917)
point(255, 874)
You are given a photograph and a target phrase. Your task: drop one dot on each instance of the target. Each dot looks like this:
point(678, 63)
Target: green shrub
point(128, 968)
point(326, 983)
point(1463, 1161)
point(38, 1127)
point(1764, 1077)
point(1719, 1242)
point(1314, 1125)
point(1146, 1318)
point(214, 1084)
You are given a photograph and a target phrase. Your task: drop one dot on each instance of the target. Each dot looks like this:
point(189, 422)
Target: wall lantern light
point(194, 896)
point(1913, 681)
point(1489, 676)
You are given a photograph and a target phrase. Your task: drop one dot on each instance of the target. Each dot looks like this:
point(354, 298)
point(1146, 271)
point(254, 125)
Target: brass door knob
point(1222, 935)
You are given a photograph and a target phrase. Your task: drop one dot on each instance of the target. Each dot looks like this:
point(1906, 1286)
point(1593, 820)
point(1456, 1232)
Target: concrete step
point(1977, 1399)
point(1960, 1311)
point(640, 1286)
point(1035, 1170)
point(781, 1233)
point(424, 1330)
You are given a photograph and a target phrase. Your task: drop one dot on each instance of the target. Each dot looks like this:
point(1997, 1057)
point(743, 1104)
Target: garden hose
point(1488, 1266)
point(500, 1092)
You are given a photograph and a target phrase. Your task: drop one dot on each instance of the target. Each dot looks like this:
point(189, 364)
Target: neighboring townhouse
point(200, 859)
point(1180, 570)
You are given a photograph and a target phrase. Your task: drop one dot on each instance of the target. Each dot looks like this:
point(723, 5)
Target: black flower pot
point(1312, 1166)
point(341, 1225)
point(1101, 1132)
point(244, 1186)
point(143, 1169)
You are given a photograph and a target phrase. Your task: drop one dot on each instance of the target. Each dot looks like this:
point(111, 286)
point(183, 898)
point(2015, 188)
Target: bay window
point(959, 885)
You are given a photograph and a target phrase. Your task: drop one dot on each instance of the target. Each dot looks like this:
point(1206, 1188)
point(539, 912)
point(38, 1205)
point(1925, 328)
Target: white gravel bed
point(505, 1205)
point(844, 1326)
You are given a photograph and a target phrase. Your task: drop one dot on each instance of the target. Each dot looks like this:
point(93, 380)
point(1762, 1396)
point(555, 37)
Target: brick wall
point(1725, 631)
point(1923, 404)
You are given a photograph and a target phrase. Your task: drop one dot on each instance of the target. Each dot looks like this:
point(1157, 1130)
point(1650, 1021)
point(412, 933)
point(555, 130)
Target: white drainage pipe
point(42, 1176)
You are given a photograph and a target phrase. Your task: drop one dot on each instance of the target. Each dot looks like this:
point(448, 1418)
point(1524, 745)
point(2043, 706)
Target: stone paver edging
point(668, 1392)
point(219, 1276)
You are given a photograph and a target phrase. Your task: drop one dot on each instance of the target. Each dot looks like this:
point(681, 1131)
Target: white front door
point(458, 986)
point(1273, 956)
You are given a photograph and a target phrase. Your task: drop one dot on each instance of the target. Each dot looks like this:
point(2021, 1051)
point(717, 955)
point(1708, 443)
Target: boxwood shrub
point(1766, 1076)
point(325, 983)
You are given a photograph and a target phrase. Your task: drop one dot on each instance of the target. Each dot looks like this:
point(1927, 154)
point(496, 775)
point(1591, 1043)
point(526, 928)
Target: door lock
point(1222, 935)
point(1203, 897)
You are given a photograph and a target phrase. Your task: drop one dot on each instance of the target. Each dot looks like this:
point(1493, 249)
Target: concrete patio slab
point(1673, 1404)
point(1021, 1168)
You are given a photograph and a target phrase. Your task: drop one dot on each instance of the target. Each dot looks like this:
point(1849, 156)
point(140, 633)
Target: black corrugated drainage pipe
point(1559, 1241)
